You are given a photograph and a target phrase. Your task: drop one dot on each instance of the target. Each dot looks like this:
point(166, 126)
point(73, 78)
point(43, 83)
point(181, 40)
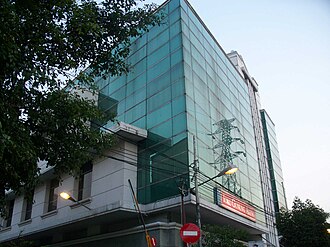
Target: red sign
point(153, 241)
point(190, 233)
point(235, 205)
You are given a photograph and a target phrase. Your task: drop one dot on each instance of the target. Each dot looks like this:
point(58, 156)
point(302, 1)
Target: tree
point(19, 242)
point(45, 48)
point(224, 236)
point(304, 225)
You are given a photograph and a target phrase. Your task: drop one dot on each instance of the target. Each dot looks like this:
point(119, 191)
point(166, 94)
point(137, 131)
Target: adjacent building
point(185, 104)
point(274, 162)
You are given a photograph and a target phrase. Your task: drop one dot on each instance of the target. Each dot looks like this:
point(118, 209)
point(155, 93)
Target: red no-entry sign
point(190, 233)
point(153, 242)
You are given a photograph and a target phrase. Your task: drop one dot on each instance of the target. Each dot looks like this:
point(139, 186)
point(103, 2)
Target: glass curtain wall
point(218, 114)
point(183, 85)
point(151, 97)
point(274, 162)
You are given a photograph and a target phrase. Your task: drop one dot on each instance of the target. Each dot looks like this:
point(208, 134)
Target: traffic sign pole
point(198, 210)
point(190, 233)
point(148, 239)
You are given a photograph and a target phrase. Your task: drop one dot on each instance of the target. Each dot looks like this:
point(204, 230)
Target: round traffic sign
point(153, 242)
point(190, 233)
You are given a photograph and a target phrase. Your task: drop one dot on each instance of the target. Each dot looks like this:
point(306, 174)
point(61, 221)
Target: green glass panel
point(139, 67)
point(135, 98)
point(159, 99)
point(136, 84)
point(198, 69)
point(176, 57)
point(177, 88)
point(121, 107)
point(158, 69)
point(179, 123)
point(158, 54)
point(141, 41)
point(179, 137)
point(177, 72)
point(135, 112)
point(176, 42)
point(190, 105)
point(195, 52)
point(187, 67)
point(174, 16)
point(116, 84)
point(102, 82)
point(159, 40)
point(161, 164)
point(175, 29)
point(163, 130)
point(140, 123)
point(158, 116)
point(158, 84)
point(175, 4)
point(119, 94)
point(137, 56)
point(178, 105)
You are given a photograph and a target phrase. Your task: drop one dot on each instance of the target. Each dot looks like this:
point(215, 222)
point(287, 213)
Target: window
point(8, 218)
point(85, 181)
point(53, 195)
point(27, 208)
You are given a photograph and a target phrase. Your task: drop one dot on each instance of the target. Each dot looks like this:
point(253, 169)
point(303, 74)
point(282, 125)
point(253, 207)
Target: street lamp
point(230, 169)
point(67, 196)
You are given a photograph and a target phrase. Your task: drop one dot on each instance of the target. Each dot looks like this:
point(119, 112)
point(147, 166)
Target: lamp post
point(67, 196)
point(227, 171)
point(230, 169)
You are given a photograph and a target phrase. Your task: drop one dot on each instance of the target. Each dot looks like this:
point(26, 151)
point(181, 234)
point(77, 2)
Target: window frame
point(83, 183)
point(53, 195)
point(27, 208)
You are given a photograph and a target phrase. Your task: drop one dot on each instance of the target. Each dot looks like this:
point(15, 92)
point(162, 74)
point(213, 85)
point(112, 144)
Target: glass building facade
point(183, 86)
point(218, 113)
point(274, 162)
point(265, 179)
point(199, 108)
point(152, 97)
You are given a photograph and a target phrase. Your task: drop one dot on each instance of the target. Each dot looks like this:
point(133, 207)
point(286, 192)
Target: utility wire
point(130, 141)
point(257, 207)
point(177, 175)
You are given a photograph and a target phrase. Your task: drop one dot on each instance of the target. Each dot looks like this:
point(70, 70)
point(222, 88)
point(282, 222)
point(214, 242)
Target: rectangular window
point(27, 208)
point(53, 195)
point(85, 181)
point(10, 210)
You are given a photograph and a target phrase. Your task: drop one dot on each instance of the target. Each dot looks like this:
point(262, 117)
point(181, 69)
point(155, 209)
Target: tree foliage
point(45, 48)
point(223, 236)
point(19, 242)
point(303, 226)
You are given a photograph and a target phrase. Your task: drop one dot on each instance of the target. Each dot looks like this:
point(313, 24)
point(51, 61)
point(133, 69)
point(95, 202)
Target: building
point(274, 162)
point(264, 170)
point(185, 106)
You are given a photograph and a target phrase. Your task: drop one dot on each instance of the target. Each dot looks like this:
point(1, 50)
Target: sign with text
point(234, 204)
point(190, 233)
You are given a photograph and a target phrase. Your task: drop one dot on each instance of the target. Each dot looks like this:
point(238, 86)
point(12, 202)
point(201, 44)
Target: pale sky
point(286, 47)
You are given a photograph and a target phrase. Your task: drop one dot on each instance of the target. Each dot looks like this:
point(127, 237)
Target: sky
point(286, 47)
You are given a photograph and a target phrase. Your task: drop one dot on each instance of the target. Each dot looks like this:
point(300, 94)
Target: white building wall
point(109, 190)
